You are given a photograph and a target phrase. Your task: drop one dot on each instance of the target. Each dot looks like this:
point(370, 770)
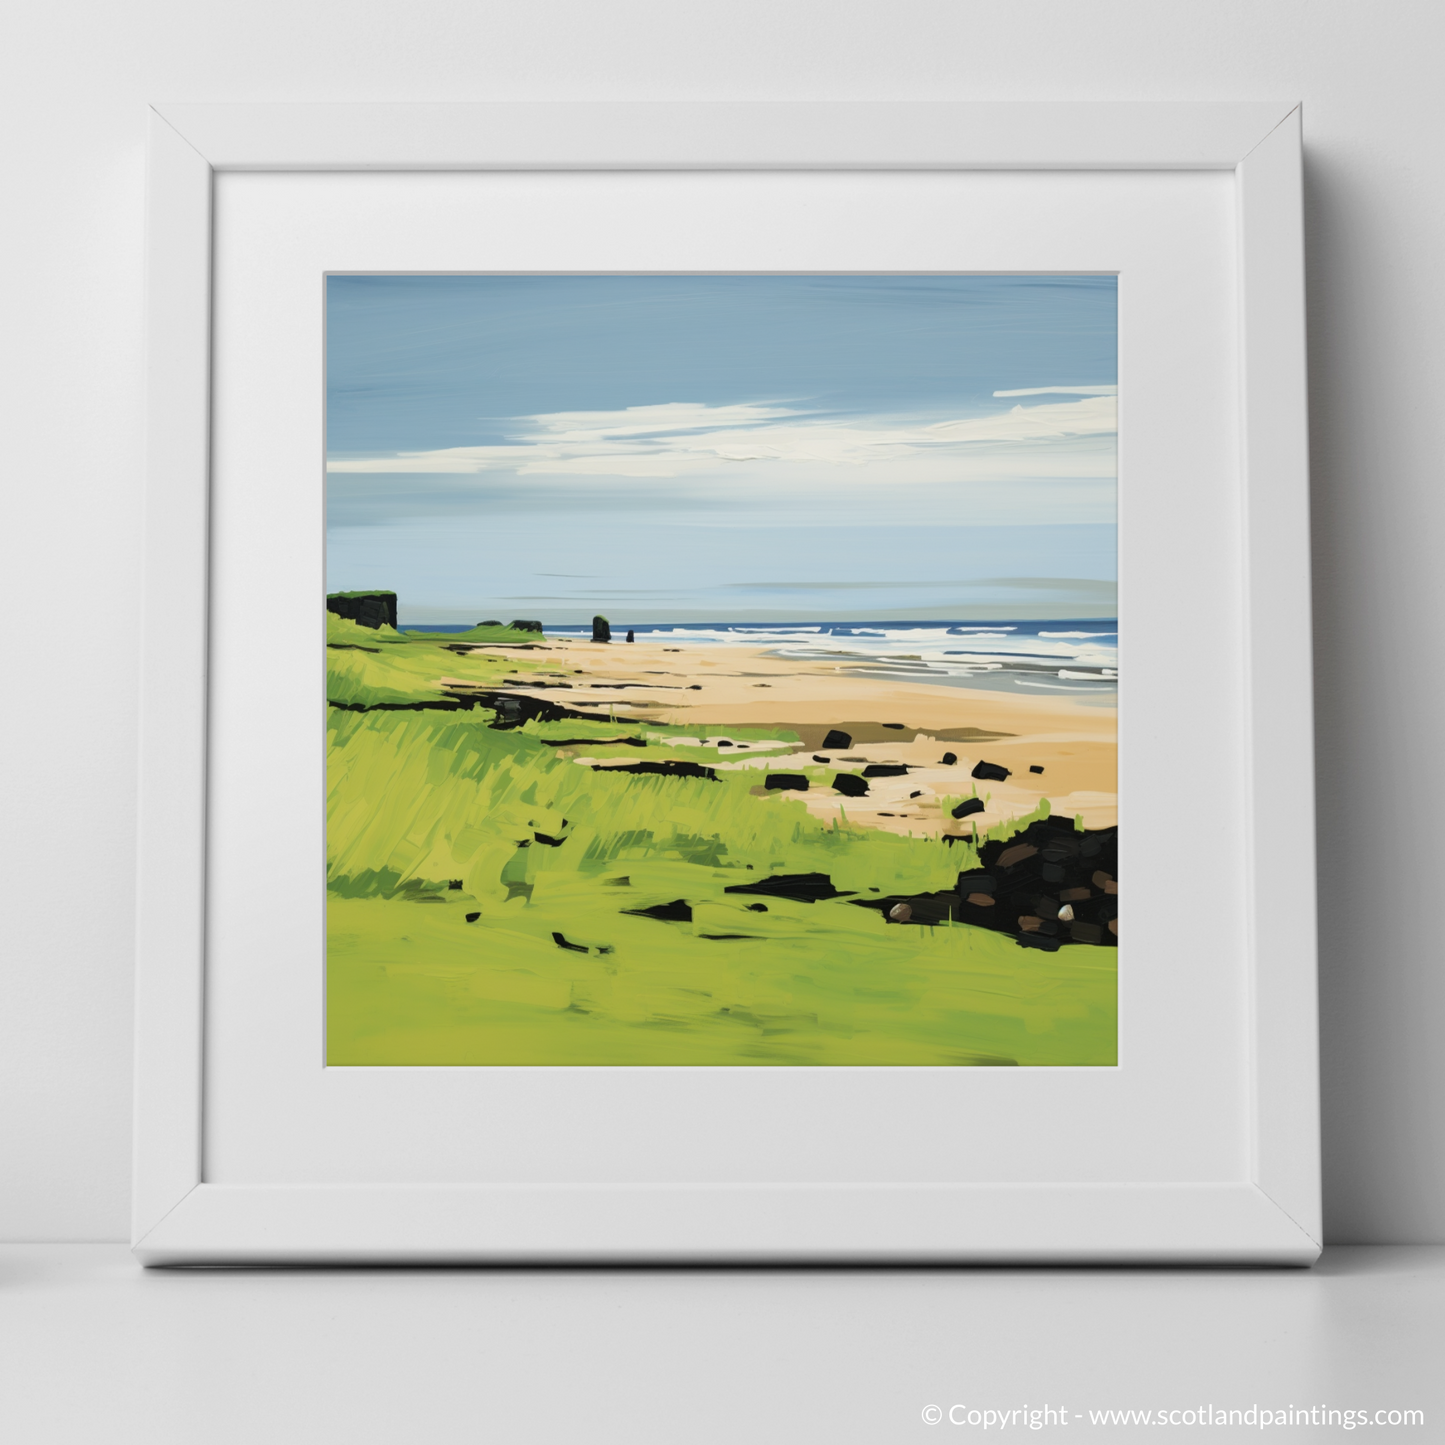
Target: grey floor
point(93, 1348)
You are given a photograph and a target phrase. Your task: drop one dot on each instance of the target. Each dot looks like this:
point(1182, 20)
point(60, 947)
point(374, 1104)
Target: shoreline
point(709, 688)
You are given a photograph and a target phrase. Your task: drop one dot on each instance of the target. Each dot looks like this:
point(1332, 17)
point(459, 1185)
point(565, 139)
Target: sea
point(1040, 657)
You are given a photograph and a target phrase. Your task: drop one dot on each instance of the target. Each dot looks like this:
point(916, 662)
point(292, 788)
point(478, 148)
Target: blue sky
point(723, 448)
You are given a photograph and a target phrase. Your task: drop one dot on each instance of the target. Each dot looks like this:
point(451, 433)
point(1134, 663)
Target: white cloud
point(1061, 390)
point(684, 438)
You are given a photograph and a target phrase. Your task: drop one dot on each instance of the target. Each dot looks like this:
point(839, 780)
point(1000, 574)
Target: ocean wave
point(951, 653)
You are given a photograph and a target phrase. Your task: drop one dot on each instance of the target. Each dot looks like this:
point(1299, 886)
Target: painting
point(721, 670)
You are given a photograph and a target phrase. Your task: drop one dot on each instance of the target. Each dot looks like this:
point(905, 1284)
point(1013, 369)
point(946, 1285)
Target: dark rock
point(1011, 874)
point(1086, 932)
point(454, 883)
point(595, 742)
point(570, 947)
point(898, 726)
point(1036, 940)
point(800, 887)
point(472, 917)
point(522, 625)
point(366, 609)
point(630, 637)
point(968, 807)
point(548, 840)
point(694, 687)
point(850, 785)
point(818, 759)
point(678, 911)
point(601, 630)
point(886, 770)
point(948, 759)
point(900, 913)
point(490, 622)
point(839, 741)
point(1035, 768)
point(993, 772)
point(926, 909)
point(793, 782)
point(723, 743)
point(513, 711)
point(757, 907)
point(667, 769)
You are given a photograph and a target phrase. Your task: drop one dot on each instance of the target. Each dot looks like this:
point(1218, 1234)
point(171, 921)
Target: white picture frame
point(1269, 1214)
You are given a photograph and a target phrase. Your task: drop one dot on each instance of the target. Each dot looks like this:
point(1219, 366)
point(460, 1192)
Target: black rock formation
point(991, 772)
point(678, 911)
point(886, 770)
point(850, 785)
point(837, 741)
point(521, 625)
point(795, 782)
point(367, 609)
point(491, 622)
point(948, 759)
point(668, 769)
point(1023, 884)
point(630, 637)
point(969, 805)
point(800, 887)
point(601, 630)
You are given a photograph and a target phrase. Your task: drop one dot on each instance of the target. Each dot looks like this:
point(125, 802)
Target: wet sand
point(708, 689)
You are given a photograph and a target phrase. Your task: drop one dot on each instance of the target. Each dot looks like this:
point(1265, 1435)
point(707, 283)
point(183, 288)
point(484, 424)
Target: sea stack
point(601, 630)
point(366, 609)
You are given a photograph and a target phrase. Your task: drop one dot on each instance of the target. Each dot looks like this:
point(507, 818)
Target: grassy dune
point(483, 888)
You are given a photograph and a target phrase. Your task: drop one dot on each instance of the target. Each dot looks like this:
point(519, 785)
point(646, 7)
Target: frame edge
point(170, 870)
point(1279, 681)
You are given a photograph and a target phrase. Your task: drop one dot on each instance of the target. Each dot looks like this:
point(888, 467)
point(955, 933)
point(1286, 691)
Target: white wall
point(78, 77)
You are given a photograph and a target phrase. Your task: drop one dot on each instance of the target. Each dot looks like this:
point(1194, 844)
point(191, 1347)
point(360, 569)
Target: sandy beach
point(1070, 746)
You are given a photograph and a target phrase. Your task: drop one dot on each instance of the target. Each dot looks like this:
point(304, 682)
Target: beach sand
point(708, 689)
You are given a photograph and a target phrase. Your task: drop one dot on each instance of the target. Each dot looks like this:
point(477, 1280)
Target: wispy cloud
point(685, 438)
point(1060, 391)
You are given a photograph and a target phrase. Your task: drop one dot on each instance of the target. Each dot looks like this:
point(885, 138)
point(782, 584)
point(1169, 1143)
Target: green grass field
point(434, 816)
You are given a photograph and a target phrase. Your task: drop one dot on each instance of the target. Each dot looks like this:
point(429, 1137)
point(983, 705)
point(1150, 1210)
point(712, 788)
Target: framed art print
point(670, 631)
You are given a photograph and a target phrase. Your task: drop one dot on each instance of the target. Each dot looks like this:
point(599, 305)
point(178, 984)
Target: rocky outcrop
point(366, 609)
point(601, 630)
point(521, 625)
point(1047, 885)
